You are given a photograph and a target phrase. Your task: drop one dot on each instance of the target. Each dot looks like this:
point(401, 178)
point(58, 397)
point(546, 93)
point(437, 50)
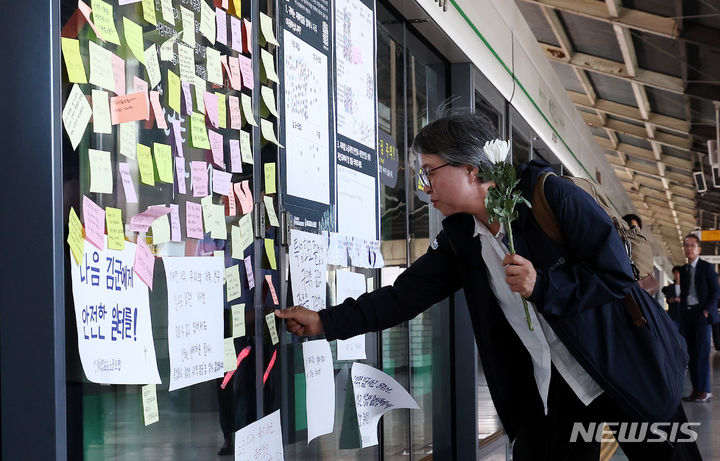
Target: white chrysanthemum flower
point(497, 151)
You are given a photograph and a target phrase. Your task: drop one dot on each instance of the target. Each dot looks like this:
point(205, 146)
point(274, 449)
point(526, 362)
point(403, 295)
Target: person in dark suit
point(672, 295)
point(582, 361)
point(699, 296)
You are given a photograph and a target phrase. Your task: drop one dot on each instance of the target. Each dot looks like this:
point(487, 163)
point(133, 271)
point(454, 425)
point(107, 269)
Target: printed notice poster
point(112, 314)
point(350, 285)
point(375, 394)
point(195, 319)
point(261, 440)
point(319, 388)
point(308, 269)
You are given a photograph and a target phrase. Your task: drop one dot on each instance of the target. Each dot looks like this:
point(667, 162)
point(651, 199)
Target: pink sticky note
point(235, 157)
point(94, 218)
point(221, 182)
point(180, 174)
point(235, 117)
point(268, 279)
point(225, 4)
point(247, 36)
point(141, 222)
point(221, 24)
point(216, 145)
point(140, 86)
point(177, 135)
point(199, 179)
point(144, 263)
point(249, 273)
point(236, 31)
point(158, 110)
point(187, 97)
point(128, 108)
point(235, 73)
point(247, 72)
point(230, 202)
point(193, 220)
point(175, 222)
point(118, 67)
point(127, 182)
point(85, 10)
point(211, 105)
point(244, 195)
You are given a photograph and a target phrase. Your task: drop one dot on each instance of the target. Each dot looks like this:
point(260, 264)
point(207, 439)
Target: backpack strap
point(548, 222)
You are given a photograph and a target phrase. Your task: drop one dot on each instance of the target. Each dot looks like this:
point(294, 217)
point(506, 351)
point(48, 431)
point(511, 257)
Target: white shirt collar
point(694, 263)
point(480, 228)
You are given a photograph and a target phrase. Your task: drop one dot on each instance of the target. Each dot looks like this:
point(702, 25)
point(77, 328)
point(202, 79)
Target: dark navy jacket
point(579, 290)
point(706, 287)
point(673, 308)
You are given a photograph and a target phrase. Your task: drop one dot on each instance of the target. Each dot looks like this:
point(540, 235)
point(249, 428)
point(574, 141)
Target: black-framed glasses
point(424, 174)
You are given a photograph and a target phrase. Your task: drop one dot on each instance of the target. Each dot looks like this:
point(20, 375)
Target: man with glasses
point(699, 295)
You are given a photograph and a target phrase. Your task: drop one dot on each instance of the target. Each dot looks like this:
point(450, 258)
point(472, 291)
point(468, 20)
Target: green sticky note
point(232, 282)
point(229, 357)
point(188, 22)
point(266, 27)
point(198, 131)
point(267, 130)
point(163, 162)
point(75, 236)
point(105, 20)
point(270, 251)
point(150, 405)
point(270, 320)
point(246, 103)
point(270, 178)
point(238, 319)
point(268, 65)
point(148, 7)
point(101, 70)
point(222, 111)
point(73, 61)
point(270, 211)
point(268, 99)
point(145, 164)
point(207, 22)
point(101, 112)
point(161, 230)
point(101, 179)
point(173, 91)
point(134, 39)
point(115, 229)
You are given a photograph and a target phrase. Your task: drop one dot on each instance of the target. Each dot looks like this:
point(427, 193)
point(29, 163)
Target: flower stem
point(511, 244)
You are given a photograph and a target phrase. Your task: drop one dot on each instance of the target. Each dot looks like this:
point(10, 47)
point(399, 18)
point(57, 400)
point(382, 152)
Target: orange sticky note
point(129, 108)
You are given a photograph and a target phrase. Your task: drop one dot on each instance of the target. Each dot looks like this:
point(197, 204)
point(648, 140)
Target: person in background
point(633, 220)
point(699, 296)
point(584, 357)
point(672, 295)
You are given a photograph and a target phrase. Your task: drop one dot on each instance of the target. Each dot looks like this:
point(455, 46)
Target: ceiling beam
point(636, 131)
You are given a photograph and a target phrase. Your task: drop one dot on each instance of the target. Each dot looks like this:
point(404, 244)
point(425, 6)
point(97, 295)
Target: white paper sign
point(350, 285)
point(195, 319)
point(375, 394)
point(308, 269)
point(112, 314)
point(261, 440)
point(320, 388)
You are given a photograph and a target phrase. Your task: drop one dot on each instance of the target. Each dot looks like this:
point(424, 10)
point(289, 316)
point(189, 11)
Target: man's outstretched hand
point(300, 321)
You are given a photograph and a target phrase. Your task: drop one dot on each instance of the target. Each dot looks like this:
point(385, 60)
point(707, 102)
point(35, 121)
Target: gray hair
point(458, 138)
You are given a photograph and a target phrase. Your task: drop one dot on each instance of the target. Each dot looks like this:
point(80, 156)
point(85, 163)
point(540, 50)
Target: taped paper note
point(320, 388)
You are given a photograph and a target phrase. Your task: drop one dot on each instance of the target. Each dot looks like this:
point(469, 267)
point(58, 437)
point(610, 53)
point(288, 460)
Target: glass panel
point(106, 421)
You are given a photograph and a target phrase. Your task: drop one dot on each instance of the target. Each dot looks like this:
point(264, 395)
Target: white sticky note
point(232, 282)
point(320, 388)
point(270, 210)
point(238, 319)
point(101, 179)
point(214, 66)
point(101, 112)
point(188, 22)
point(350, 285)
point(247, 109)
point(150, 404)
point(270, 321)
point(101, 69)
point(161, 230)
point(128, 139)
point(229, 355)
point(207, 21)
point(76, 115)
point(152, 65)
point(268, 65)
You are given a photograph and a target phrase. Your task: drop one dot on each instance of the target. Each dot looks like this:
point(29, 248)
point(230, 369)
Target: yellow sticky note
point(145, 164)
point(270, 211)
point(213, 64)
point(214, 217)
point(268, 99)
point(115, 228)
point(148, 7)
point(161, 230)
point(134, 39)
point(222, 111)
point(163, 162)
point(232, 282)
point(266, 28)
point(101, 112)
point(198, 131)
point(229, 356)
point(75, 236)
point(270, 178)
point(101, 71)
point(73, 61)
point(105, 20)
point(242, 236)
point(173, 91)
point(152, 65)
point(267, 130)
point(101, 179)
point(238, 319)
point(200, 86)
point(207, 21)
point(270, 320)
point(188, 22)
point(128, 139)
point(150, 405)
point(270, 250)
point(268, 65)
point(186, 62)
point(246, 103)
